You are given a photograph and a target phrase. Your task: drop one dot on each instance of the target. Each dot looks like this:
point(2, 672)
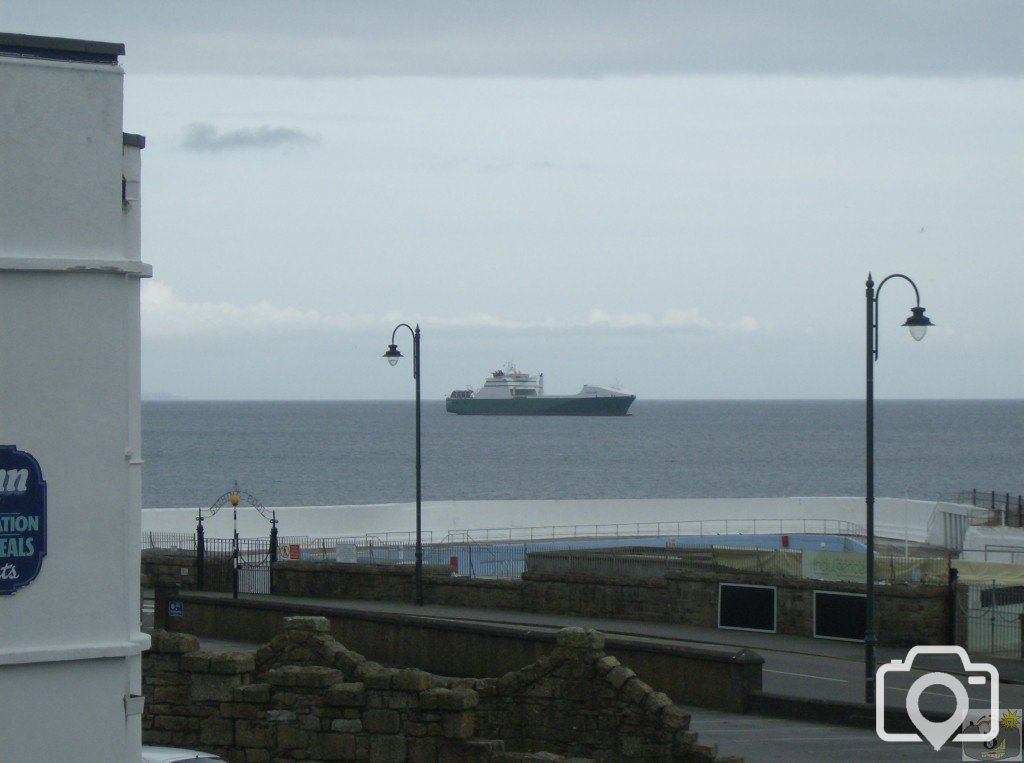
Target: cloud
point(165, 315)
point(673, 318)
point(452, 38)
point(202, 136)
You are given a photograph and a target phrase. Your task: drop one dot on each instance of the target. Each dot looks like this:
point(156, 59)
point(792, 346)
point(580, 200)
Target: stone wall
point(721, 678)
point(178, 568)
point(580, 701)
point(906, 613)
point(304, 696)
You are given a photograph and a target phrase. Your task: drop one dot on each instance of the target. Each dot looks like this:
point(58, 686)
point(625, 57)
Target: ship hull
point(547, 405)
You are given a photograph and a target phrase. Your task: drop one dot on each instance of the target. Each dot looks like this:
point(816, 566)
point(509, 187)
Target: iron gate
point(253, 565)
point(251, 558)
point(990, 619)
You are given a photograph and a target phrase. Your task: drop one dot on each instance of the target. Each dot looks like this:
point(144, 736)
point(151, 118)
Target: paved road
point(794, 666)
point(759, 739)
point(842, 679)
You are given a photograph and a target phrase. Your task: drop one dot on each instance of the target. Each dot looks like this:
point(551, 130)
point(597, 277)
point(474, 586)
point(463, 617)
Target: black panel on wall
point(748, 607)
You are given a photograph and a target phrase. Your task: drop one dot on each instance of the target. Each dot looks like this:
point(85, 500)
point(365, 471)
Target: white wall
point(61, 190)
point(894, 517)
point(70, 641)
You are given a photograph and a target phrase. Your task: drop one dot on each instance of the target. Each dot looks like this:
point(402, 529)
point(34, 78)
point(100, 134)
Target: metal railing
point(693, 527)
point(172, 541)
point(990, 616)
point(1000, 508)
point(648, 562)
point(504, 552)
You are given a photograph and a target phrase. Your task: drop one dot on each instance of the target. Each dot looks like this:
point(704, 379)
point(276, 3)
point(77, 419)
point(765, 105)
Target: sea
point(346, 453)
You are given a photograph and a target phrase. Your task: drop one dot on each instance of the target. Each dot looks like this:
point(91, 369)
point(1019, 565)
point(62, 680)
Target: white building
point(70, 641)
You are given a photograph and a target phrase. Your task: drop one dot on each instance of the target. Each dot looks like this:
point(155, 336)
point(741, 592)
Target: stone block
point(176, 695)
point(382, 722)
point(346, 695)
point(292, 738)
point(317, 677)
point(619, 675)
point(247, 710)
point(255, 734)
point(348, 661)
point(196, 662)
point(353, 726)
point(283, 676)
point(232, 662)
point(387, 749)
point(708, 752)
point(449, 699)
point(280, 716)
point(675, 718)
point(217, 732)
point(656, 702)
point(580, 638)
point(636, 691)
point(219, 688)
point(411, 679)
point(375, 676)
point(334, 747)
point(174, 643)
point(255, 693)
point(170, 723)
point(458, 725)
point(309, 624)
point(310, 722)
point(421, 750)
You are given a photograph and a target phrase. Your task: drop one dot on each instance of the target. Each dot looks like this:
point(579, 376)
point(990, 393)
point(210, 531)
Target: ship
point(512, 392)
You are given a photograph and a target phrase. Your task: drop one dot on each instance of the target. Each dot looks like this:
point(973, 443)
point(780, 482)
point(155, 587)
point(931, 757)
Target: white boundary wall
point(70, 641)
point(894, 517)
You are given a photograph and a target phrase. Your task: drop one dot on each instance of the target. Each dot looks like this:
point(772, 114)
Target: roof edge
point(60, 48)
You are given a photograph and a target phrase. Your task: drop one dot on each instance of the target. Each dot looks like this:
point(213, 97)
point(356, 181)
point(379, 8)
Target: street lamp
point(918, 324)
point(236, 556)
point(393, 356)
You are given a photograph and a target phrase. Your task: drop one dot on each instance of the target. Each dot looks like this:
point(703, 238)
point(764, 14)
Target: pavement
point(1011, 671)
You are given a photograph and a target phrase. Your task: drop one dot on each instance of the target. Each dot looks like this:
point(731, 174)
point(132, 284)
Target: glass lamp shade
point(393, 354)
point(918, 323)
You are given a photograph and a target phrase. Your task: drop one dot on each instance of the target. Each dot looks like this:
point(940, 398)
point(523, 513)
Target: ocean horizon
point(310, 453)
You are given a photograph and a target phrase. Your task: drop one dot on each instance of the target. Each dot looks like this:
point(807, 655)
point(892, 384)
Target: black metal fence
point(497, 559)
point(989, 617)
point(1004, 508)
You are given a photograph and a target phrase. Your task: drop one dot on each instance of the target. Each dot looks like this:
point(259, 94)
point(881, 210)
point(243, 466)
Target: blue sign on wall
point(22, 519)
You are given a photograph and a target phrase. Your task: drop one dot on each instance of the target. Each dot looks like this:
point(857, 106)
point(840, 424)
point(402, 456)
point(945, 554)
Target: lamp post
point(393, 356)
point(235, 556)
point(918, 324)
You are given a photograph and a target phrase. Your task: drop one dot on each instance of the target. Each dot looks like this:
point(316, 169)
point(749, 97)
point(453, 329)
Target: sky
point(684, 199)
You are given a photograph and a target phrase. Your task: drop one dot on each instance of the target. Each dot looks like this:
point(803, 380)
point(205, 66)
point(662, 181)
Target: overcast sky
point(684, 198)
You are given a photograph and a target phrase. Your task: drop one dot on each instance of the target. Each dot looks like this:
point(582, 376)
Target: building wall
point(70, 652)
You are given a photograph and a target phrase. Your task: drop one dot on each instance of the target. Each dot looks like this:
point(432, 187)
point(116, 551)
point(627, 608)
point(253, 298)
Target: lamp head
point(392, 354)
point(918, 323)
